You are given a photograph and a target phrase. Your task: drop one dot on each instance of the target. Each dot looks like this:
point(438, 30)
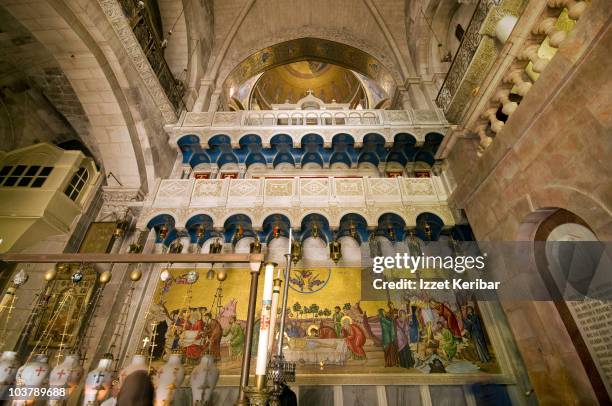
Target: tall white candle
point(290, 236)
point(275, 295)
point(264, 327)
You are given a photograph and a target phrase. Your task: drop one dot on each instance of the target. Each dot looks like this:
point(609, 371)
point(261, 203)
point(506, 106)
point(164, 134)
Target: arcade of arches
point(323, 134)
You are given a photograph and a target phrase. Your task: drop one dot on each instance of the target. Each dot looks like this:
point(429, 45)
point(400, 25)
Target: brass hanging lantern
point(215, 247)
point(255, 246)
point(176, 247)
point(315, 231)
point(427, 230)
point(200, 232)
point(238, 234)
point(374, 244)
point(335, 252)
point(105, 277)
point(391, 232)
point(121, 228)
point(163, 232)
point(352, 230)
point(296, 251)
point(210, 275)
point(135, 248)
point(135, 275)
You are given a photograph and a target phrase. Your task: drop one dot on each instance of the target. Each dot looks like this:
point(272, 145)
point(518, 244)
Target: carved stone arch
point(388, 210)
point(297, 139)
point(443, 212)
point(322, 213)
point(350, 133)
point(227, 215)
point(594, 213)
point(150, 215)
point(352, 210)
point(194, 212)
point(230, 73)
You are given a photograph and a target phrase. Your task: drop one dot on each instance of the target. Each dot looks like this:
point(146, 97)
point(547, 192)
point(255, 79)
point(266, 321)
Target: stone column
point(206, 89)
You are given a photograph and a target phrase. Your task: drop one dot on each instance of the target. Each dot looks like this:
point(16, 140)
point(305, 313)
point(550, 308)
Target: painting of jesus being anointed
point(410, 334)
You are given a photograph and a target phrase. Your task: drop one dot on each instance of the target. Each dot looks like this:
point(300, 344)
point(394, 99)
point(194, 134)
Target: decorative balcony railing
point(296, 123)
point(535, 45)
point(312, 117)
point(457, 81)
point(139, 18)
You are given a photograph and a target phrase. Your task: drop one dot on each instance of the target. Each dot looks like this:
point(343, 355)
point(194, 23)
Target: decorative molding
point(226, 118)
point(114, 12)
point(326, 33)
point(221, 198)
point(193, 119)
point(118, 200)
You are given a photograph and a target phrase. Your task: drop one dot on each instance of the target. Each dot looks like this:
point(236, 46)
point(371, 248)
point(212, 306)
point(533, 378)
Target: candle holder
point(335, 251)
point(258, 396)
point(279, 373)
point(296, 251)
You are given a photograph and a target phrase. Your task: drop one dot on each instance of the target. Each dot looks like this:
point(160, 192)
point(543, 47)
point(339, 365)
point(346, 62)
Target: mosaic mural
point(312, 49)
point(330, 329)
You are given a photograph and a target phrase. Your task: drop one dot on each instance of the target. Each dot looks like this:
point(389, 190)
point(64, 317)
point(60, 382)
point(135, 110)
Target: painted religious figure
point(236, 338)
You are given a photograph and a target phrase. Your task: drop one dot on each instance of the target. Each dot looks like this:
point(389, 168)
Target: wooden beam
point(132, 258)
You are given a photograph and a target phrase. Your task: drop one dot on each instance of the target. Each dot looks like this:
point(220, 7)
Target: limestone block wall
point(554, 152)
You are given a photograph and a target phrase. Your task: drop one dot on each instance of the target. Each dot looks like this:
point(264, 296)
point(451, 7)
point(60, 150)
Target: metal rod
point(246, 359)
point(132, 258)
point(281, 327)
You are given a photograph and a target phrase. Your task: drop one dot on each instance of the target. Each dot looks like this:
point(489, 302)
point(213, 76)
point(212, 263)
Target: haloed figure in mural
point(355, 338)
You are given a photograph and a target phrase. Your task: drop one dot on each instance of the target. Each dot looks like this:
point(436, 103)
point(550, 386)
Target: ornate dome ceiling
point(291, 82)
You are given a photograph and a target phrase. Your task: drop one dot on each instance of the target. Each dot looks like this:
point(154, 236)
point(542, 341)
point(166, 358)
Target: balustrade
point(523, 69)
point(153, 47)
point(312, 118)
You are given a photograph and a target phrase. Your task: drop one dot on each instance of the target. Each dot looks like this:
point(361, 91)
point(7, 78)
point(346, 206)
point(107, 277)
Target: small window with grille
point(76, 184)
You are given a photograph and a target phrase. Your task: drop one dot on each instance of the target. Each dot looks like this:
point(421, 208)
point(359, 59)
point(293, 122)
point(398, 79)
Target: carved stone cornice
point(118, 200)
point(114, 12)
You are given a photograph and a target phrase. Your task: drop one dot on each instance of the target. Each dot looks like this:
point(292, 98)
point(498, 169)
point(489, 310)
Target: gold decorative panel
point(99, 238)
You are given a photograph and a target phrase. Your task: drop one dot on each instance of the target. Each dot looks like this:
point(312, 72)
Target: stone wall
point(554, 152)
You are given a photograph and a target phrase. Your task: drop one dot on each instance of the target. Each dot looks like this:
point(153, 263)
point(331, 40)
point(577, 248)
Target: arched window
point(76, 184)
